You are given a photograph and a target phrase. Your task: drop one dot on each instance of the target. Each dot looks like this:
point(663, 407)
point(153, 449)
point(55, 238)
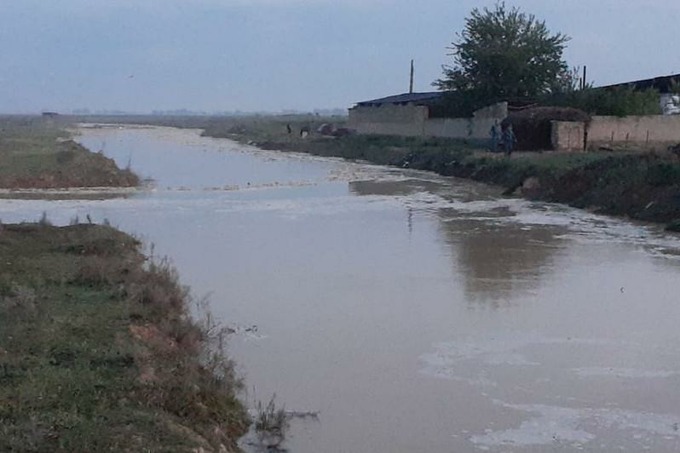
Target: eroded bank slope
point(98, 351)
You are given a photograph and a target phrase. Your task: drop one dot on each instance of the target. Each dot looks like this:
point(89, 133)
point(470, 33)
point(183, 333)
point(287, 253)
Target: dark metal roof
point(663, 83)
point(406, 98)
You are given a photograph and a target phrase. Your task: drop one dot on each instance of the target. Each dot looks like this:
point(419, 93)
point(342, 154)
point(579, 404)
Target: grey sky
point(217, 55)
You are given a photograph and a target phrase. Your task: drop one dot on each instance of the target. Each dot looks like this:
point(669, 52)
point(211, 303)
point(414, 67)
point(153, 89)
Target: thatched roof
point(540, 114)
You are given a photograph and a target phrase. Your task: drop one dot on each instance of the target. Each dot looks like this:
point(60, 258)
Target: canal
point(412, 312)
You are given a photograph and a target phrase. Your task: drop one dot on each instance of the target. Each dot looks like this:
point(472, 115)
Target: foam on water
point(624, 373)
point(576, 427)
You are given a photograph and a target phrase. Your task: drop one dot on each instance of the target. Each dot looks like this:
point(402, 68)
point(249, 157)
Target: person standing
point(509, 140)
point(495, 135)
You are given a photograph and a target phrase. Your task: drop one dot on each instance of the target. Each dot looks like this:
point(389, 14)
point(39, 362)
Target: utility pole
point(410, 87)
point(583, 80)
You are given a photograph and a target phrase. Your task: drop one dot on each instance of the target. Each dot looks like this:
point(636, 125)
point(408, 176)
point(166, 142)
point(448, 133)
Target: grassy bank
point(37, 153)
point(98, 353)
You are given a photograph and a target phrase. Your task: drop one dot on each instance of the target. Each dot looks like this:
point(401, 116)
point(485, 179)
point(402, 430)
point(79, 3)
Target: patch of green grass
point(37, 153)
point(98, 352)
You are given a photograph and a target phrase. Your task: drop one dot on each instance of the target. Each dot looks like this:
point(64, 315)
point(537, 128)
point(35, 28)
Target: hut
point(533, 126)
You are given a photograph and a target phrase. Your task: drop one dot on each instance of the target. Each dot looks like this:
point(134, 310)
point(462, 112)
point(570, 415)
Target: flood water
point(415, 313)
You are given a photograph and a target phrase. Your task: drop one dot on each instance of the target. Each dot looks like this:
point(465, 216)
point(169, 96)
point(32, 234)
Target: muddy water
point(414, 313)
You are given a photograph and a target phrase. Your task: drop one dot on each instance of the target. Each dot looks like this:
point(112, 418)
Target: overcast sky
point(270, 55)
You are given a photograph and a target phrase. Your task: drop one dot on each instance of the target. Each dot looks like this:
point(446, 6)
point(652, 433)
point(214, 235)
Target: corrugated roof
point(403, 99)
point(664, 83)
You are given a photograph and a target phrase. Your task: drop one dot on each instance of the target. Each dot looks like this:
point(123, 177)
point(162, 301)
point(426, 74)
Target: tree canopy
point(505, 53)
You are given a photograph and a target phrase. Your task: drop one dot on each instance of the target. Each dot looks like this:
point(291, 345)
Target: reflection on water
point(368, 287)
point(500, 263)
point(402, 187)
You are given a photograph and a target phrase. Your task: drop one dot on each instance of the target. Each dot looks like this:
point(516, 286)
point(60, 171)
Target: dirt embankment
point(641, 186)
point(98, 351)
point(36, 153)
point(67, 165)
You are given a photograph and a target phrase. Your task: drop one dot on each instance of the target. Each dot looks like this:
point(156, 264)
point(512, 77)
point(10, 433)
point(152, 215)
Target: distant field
point(249, 127)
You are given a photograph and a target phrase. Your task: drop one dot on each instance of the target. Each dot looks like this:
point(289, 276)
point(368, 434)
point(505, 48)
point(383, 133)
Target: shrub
point(674, 226)
point(663, 174)
point(609, 101)
point(271, 424)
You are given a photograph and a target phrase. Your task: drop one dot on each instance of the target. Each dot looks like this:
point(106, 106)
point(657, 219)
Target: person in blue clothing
point(509, 140)
point(495, 135)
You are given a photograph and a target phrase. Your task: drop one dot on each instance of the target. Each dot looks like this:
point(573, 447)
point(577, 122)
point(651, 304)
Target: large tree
point(504, 53)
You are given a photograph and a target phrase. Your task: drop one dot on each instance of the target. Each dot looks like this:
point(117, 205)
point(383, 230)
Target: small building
point(409, 115)
point(414, 115)
point(404, 99)
point(401, 114)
